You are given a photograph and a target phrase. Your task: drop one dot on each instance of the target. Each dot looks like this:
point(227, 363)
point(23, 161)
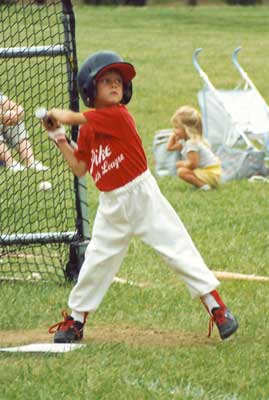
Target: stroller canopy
point(230, 115)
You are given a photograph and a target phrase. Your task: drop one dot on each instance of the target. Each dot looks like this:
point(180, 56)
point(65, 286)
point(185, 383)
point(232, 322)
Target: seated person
point(200, 166)
point(14, 134)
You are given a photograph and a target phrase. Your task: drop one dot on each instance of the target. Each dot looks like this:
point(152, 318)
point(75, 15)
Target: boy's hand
point(57, 135)
point(50, 122)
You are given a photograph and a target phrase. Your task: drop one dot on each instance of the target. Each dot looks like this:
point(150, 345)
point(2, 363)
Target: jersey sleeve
point(107, 121)
point(84, 144)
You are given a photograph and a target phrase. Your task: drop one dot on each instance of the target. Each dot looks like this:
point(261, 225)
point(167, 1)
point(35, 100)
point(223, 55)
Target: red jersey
point(110, 146)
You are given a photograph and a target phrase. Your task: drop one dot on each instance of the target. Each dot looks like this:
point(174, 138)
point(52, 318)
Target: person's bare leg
point(26, 152)
point(187, 175)
point(27, 156)
point(5, 154)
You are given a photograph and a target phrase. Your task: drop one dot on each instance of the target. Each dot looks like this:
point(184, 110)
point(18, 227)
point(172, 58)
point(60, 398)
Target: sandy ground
point(114, 334)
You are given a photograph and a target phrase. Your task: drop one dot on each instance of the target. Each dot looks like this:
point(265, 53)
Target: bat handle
point(42, 114)
point(49, 122)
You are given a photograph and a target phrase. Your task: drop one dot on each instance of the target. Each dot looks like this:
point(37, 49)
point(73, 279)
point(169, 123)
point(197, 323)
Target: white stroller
point(233, 117)
point(165, 161)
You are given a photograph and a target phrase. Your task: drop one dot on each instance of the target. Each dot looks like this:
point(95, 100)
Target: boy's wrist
point(58, 135)
point(60, 139)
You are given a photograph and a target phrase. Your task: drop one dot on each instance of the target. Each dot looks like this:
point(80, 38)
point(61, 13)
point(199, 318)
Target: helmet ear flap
point(127, 92)
point(90, 93)
point(93, 92)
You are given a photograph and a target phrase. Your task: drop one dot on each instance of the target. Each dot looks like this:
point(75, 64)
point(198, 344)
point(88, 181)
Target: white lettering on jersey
point(106, 167)
point(99, 156)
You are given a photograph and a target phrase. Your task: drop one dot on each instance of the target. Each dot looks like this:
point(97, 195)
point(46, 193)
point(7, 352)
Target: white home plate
point(44, 348)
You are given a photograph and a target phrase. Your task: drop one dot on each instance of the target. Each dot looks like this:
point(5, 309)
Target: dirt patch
point(145, 337)
point(113, 334)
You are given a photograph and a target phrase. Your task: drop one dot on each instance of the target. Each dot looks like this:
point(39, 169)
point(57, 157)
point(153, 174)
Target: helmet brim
point(126, 70)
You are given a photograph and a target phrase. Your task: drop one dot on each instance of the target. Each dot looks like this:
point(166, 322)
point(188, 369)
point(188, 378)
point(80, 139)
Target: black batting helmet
point(96, 65)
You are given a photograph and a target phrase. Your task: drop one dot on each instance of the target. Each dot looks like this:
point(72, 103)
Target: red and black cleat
point(68, 330)
point(226, 322)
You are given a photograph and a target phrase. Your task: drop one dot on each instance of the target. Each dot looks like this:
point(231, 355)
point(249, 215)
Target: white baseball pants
point(136, 209)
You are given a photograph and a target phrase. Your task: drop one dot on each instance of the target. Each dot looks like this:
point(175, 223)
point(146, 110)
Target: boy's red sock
point(212, 300)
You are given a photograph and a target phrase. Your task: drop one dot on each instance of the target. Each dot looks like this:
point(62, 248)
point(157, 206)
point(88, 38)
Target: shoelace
point(65, 323)
point(210, 326)
point(218, 317)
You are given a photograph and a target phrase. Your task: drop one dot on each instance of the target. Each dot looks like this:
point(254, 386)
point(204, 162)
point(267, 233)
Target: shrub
point(241, 2)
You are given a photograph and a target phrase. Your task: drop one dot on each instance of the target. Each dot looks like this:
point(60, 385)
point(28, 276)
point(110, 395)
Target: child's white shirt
point(206, 156)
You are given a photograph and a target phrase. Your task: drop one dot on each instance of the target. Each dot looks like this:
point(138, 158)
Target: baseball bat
point(42, 114)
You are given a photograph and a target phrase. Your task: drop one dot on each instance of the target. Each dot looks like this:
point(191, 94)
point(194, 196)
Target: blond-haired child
point(200, 167)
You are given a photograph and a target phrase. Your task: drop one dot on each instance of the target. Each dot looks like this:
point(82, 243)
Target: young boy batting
point(131, 204)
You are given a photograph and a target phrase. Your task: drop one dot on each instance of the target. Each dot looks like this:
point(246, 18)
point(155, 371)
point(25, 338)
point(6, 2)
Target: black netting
point(37, 68)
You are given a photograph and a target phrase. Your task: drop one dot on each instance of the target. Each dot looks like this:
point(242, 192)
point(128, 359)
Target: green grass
point(229, 227)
